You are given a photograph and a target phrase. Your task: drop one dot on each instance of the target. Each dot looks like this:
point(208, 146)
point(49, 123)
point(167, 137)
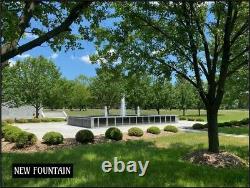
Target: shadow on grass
point(166, 167)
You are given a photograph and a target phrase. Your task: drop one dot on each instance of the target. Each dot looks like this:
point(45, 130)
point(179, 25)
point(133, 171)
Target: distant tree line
point(38, 82)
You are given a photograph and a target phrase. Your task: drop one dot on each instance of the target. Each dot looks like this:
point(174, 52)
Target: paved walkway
point(68, 131)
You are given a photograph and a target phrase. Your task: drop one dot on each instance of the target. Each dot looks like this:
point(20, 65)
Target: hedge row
point(224, 124)
point(35, 120)
point(190, 118)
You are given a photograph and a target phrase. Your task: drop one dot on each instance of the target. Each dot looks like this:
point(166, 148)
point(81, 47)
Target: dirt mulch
point(71, 142)
point(218, 160)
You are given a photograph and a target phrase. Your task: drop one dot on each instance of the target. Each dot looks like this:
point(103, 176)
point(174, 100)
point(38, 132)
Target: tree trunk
point(183, 111)
point(37, 111)
point(158, 111)
point(108, 110)
point(213, 138)
point(199, 111)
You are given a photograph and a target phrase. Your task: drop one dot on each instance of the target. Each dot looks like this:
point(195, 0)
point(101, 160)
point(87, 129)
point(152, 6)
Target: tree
point(237, 86)
point(30, 81)
point(107, 88)
point(181, 37)
point(184, 93)
point(60, 95)
point(161, 94)
point(80, 95)
point(47, 22)
point(137, 90)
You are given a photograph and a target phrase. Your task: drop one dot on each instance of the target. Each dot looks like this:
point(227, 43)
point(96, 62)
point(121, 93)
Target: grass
point(224, 115)
point(166, 167)
point(243, 130)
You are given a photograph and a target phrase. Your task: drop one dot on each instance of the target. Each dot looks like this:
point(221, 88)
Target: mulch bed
point(70, 142)
point(222, 159)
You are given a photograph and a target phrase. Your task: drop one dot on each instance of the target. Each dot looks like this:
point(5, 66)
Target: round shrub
point(244, 121)
point(108, 131)
point(199, 119)
point(12, 133)
point(198, 126)
point(84, 136)
point(225, 124)
point(116, 134)
point(6, 128)
point(25, 138)
point(53, 138)
point(171, 128)
point(4, 123)
point(10, 121)
point(135, 131)
point(235, 123)
point(153, 130)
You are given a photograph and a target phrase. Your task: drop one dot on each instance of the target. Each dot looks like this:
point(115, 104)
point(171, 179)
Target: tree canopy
point(200, 41)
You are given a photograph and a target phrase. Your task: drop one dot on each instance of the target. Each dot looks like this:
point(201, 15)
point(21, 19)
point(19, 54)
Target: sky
point(71, 63)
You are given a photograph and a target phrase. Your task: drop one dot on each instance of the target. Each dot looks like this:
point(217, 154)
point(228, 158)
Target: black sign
point(42, 170)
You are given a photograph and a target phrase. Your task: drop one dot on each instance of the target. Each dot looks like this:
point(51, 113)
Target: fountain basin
point(102, 121)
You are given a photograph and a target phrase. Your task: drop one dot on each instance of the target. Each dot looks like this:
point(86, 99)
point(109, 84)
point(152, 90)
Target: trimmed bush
point(135, 131)
point(84, 136)
point(190, 119)
point(4, 123)
point(198, 126)
point(235, 123)
point(153, 130)
point(182, 118)
point(6, 128)
point(45, 120)
point(11, 133)
point(244, 121)
point(225, 124)
point(35, 120)
point(116, 134)
point(21, 121)
point(25, 138)
point(108, 131)
point(171, 128)
point(57, 119)
point(10, 121)
point(199, 119)
point(53, 138)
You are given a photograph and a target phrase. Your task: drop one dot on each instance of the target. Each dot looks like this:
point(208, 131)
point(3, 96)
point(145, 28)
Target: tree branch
point(74, 14)
point(236, 68)
point(177, 71)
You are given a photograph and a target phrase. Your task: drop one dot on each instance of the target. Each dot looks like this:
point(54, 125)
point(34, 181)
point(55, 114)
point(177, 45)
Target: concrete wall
point(18, 113)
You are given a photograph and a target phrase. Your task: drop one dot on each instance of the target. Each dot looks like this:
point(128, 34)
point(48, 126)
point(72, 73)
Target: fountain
point(123, 119)
point(123, 107)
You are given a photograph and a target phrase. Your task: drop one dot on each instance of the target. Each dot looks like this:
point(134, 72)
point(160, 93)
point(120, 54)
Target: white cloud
point(54, 56)
point(23, 56)
point(154, 3)
point(30, 35)
point(12, 62)
point(85, 59)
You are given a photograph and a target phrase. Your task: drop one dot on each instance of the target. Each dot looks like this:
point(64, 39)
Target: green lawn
point(243, 130)
point(224, 115)
point(166, 167)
